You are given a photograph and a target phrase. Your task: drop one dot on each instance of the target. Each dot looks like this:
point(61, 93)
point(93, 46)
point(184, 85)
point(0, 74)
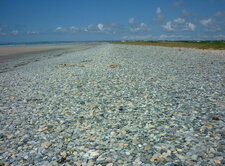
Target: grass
point(215, 45)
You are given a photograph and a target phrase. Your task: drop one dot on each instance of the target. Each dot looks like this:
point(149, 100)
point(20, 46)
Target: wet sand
point(10, 50)
point(12, 57)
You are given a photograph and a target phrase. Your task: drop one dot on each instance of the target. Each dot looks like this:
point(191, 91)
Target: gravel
point(115, 105)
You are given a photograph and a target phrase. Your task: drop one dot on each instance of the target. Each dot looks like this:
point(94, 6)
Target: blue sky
point(91, 20)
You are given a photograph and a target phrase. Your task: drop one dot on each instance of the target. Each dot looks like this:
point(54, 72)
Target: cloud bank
point(178, 24)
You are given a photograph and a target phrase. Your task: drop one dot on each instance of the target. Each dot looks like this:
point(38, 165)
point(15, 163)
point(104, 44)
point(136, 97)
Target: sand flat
point(12, 57)
point(10, 50)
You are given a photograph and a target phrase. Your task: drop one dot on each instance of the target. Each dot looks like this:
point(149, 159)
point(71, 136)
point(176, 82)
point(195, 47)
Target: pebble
point(114, 105)
point(94, 154)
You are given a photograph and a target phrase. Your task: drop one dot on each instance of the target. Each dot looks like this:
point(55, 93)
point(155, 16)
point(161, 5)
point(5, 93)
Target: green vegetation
point(215, 45)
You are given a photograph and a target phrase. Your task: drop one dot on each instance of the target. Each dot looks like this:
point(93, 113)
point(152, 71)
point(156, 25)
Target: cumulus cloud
point(189, 27)
point(131, 21)
point(158, 11)
point(184, 12)
point(220, 14)
point(15, 32)
point(177, 3)
point(159, 16)
point(179, 20)
point(137, 27)
point(60, 29)
point(71, 29)
point(100, 27)
point(89, 28)
point(178, 24)
point(168, 26)
point(206, 22)
point(142, 27)
point(210, 25)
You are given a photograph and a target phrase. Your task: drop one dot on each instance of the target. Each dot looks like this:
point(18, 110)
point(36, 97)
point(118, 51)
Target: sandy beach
point(10, 50)
point(112, 104)
point(14, 56)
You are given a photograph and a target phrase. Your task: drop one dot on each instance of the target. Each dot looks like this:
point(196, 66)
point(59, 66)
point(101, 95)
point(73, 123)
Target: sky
point(103, 20)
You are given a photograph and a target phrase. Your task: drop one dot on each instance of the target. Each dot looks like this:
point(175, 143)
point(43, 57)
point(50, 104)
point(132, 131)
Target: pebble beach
point(111, 105)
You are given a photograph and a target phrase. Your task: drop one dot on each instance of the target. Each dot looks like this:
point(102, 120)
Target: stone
point(90, 163)
point(46, 144)
point(26, 157)
point(2, 135)
point(63, 154)
point(109, 164)
point(42, 128)
point(93, 106)
point(215, 118)
point(194, 157)
point(222, 161)
point(53, 163)
point(147, 147)
point(152, 127)
point(166, 127)
point(108, 159)
point(94, 154)
point(217, 161)
point(121, 108)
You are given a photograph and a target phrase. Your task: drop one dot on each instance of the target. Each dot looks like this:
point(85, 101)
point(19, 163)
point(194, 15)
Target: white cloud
point(178, 24)
point(137, 27)
point(158, 11)
point(159, 16)
point(179, 20)
point(184, 12)
point(100, 27)
point(210, 25)
point(60, 29)
point(220, 14)
point(15, 32)
point(168, 26)
point(140, 27)
point(177, 3)
point(190, 27)
point(73, 29)
point(131, 21)
point(89, 28)
point(103, 28)
point(206, 22)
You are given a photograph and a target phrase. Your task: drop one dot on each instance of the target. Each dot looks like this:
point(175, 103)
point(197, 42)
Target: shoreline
point(21, 49)
point(12, 57)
